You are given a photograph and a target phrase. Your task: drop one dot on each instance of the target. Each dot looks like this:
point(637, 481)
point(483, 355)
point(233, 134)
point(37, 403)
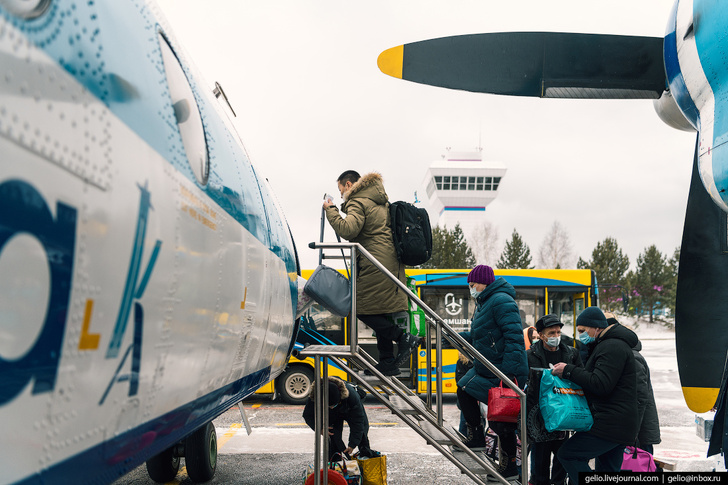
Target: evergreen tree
point(610, 265)
point(651, 277)
point(516, 254)
point(449, 250)
point(671, 283)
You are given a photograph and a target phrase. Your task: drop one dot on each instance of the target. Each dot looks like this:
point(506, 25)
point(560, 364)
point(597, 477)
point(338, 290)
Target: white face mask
point(553, 341)
point(473, 292)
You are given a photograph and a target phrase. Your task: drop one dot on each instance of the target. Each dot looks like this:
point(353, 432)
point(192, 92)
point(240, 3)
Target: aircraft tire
point(201, 454)
point(163, 467)
point(294, 385)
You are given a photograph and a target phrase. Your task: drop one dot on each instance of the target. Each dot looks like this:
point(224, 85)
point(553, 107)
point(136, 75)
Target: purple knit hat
point(481, 274)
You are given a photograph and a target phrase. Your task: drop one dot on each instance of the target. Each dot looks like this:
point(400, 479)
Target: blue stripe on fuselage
point(135, 446)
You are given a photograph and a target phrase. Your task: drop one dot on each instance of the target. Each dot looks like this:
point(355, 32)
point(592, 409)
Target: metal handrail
point(442, 329)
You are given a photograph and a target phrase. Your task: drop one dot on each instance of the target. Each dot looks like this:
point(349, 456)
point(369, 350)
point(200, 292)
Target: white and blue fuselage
point(696, 47)
point(147, 278)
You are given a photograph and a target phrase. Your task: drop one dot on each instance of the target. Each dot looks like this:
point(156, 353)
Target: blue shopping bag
point(563, 404)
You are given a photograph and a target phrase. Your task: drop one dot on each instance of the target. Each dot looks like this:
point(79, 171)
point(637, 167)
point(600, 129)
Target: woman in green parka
point(496, 332)
point(367, 222)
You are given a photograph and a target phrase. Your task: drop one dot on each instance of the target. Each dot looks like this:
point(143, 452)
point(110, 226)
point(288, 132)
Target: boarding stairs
point(424, 416)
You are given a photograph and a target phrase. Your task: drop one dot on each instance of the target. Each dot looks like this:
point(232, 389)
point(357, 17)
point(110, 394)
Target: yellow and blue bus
point(563, 292)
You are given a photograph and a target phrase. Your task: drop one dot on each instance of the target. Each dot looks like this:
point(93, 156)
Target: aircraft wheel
point(295, 384)
point(163, 467)
point(201, 453)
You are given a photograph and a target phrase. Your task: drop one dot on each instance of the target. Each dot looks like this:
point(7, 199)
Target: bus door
point(531, 305)
point(454, 305)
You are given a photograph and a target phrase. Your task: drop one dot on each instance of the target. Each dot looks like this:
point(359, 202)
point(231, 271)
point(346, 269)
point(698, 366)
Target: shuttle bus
point(563, 292)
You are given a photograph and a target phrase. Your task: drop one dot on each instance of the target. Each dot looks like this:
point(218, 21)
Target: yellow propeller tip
point(700, 399)
point(390, 61)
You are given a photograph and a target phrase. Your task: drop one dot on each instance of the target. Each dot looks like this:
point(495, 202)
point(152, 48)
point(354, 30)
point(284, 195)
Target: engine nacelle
point(670, 114)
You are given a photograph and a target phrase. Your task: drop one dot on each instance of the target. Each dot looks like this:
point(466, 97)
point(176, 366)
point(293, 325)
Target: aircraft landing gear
point(200, 452)
point(163, 467)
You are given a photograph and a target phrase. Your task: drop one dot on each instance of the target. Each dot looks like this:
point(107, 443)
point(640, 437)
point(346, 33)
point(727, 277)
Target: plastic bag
point(563, 404)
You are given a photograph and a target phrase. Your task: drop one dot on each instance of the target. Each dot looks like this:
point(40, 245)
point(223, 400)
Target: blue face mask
point(554, 341)
point(473, 292)
point(586, 338)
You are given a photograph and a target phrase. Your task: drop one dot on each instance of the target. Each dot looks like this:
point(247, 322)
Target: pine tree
point(610, 265)
point(516, 254)
point(651, 277)
point(670, 293)
point(449, 250)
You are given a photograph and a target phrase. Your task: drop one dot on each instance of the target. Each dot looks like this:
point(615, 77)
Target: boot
point(510, 472)
point(475, 440)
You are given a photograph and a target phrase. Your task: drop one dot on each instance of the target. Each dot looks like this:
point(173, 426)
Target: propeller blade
point(701, 303)
point(540, 64)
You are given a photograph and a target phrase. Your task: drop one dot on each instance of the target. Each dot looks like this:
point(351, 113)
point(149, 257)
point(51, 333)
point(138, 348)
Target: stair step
point(406, 408)
point(471, 464)
point(437, 435)
point(326, 350)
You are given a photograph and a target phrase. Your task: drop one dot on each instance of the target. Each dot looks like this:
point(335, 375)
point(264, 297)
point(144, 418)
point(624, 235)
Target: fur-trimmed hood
point(370, 185)
point(339, 383)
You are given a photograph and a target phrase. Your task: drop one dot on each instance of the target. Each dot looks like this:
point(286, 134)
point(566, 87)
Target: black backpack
point(411, 233)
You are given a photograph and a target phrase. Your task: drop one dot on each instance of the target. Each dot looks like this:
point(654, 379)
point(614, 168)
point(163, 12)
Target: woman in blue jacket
point(497, 334)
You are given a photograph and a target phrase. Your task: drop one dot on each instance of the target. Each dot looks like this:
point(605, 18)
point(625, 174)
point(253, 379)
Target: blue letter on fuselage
point(23, 210)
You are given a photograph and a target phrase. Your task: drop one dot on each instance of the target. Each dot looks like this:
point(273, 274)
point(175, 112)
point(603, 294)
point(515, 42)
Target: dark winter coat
point(367, 222)
point(496, 333)
point(649, 422)
point(350, 409)
point(609, 380)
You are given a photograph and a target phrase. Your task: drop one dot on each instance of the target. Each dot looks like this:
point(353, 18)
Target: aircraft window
point(27, 9)
point(186, 113)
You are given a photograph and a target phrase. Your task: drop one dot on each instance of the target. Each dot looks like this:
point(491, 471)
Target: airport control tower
point(459, 187)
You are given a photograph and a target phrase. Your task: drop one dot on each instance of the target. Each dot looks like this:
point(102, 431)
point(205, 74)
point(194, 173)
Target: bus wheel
point(201, 453)
point(295, 384)
point(163, 467)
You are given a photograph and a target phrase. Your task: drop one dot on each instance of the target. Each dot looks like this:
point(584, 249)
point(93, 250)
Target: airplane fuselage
point(147, 278)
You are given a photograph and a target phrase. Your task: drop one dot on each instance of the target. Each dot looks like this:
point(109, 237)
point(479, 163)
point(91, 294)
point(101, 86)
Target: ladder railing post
point(354, 322)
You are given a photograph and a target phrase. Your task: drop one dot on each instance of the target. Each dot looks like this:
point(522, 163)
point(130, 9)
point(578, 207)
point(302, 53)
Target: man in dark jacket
point(368, 223)
point(609, 380)
point(496, 333)
point(649, 422)
point(344, 405)
point(548, 350)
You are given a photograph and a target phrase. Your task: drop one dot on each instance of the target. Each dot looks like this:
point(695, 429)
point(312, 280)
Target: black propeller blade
point(541, 64)
point(702, 303)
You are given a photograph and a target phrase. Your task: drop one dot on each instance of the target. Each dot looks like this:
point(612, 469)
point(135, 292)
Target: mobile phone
point(329, 198)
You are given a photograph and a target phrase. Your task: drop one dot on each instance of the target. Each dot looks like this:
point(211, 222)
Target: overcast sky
point(311, 103)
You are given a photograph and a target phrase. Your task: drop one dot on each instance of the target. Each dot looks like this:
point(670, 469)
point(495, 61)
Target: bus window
point(319, 326)
point(453, 304)
point(531, 305)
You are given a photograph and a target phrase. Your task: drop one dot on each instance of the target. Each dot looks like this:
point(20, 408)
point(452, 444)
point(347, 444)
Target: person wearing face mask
point(367, 222)
point(548, 350)
point(609, 380)
point(497, 334)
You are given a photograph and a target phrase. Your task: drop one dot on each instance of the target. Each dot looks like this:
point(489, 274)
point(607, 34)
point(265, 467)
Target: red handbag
point(503, 404)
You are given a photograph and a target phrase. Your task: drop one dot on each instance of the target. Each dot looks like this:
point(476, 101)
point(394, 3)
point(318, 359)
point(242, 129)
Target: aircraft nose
point(390, 61)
